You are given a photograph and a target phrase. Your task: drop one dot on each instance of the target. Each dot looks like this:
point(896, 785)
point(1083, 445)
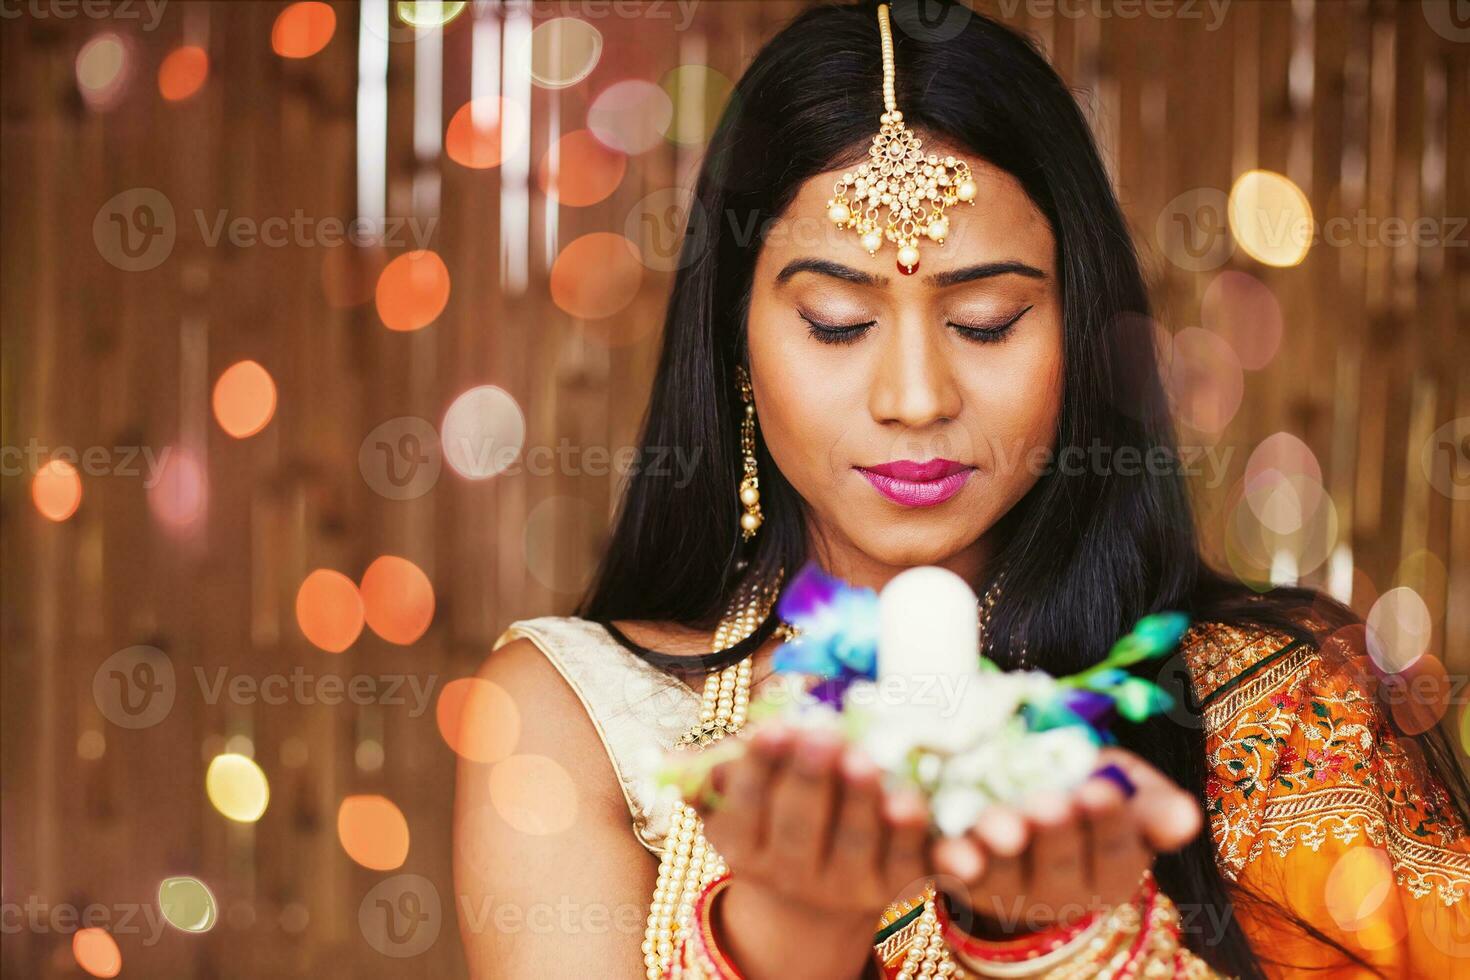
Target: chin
point(908, 543)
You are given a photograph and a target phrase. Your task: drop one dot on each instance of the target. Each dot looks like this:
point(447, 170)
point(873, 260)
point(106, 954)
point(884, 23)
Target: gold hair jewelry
point(916, 189)
point(750, 487)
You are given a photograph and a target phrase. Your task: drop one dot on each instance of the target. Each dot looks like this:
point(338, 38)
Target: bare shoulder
point(550, 721)
point(541, 827)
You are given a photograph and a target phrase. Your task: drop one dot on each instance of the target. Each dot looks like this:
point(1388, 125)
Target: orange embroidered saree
point(1316, 805)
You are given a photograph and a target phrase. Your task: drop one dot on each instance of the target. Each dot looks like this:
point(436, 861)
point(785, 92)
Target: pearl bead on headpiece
point(913, 187)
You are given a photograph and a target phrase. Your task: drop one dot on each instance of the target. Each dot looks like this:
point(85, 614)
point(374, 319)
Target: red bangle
point(1024, 947)
point(700, 954)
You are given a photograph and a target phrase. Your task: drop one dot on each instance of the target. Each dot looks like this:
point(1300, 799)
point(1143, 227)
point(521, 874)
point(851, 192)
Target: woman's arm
point(571, 898)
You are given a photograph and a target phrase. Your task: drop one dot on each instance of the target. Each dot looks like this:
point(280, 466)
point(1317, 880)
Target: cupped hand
point(1061, 855)
point(816, 849)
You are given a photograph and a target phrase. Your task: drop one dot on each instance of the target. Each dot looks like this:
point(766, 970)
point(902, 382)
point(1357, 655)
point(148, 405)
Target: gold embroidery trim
point(1308, 819)
point(1274, 677)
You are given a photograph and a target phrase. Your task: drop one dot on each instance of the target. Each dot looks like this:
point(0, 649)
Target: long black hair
point(1086, 553)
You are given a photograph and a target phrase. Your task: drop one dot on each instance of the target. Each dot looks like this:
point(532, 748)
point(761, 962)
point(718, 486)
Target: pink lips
point(918, 484)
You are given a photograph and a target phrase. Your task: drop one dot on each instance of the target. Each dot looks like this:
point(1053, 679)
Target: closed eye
point(836, 333)
point(988, 333)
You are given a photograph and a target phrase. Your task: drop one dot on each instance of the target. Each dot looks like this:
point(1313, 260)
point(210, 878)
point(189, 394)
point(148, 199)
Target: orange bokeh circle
point(397, 599)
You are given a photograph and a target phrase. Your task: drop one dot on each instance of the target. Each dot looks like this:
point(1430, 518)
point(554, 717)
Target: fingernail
point(856, 766)
point(815, 756)
point(965, 861)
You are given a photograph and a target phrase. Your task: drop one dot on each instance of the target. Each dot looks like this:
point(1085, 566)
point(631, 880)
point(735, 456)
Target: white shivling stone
point(928, 625)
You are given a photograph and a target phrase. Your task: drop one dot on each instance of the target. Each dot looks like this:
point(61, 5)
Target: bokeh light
point(1278, 528)
point(237, 787)
point(1270, 218)
point(187, 904)
point(429, 14)
point(1283, 453)
point(369, 755)
point(534, 794)
point(91, 745)
point(631, 116)
point(397, 599)
point(56, 490)
point(549, 526)
point(413, 290)
point(1424, 572)
point(1357, 886)
point(96, 952)
point(1399, 629)
point(564, 50)
point(586, 170)
point(244, 399)
point(596, 276)
point(303, 29)
point(183, 72)
point(177, 499)
point(329, 610)
point(1244, 311)
point(1204, 379)
point(102, 71)
point(373, 832)
point(1419, 695)
point(482, 132)
point(1360, 897)
point(698, 94)
point(483, 432)
point(478, 719)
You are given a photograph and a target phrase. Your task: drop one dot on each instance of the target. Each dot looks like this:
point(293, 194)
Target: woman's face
point(861, 372)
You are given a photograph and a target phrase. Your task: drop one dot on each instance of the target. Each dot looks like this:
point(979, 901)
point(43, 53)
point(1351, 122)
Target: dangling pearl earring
point(750, 494)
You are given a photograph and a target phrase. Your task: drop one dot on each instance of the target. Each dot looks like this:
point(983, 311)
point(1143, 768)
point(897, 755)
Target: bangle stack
point(1139, 939)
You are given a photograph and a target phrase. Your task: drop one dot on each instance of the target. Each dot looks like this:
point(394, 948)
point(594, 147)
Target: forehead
point(1003, 224)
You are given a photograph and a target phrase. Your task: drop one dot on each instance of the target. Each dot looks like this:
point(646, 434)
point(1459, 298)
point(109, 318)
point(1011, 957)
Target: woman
point(876, 408)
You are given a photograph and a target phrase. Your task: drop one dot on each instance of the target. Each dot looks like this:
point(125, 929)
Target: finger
point(1168, 816)
point(802, 797)
point(737, 828)
point(960, 857)
point(1057, 860)
point(1116, 854)
point(1003, 835)
point(1002, 831)
point(853, 860)
point(906, 820)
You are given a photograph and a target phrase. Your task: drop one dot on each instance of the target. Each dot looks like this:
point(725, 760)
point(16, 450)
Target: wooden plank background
point(1361, 103)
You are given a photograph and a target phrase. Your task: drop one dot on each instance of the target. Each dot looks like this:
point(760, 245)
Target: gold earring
point(750, 493)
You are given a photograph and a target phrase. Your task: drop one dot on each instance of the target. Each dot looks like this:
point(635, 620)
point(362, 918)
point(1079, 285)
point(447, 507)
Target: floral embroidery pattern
point(1300, 753)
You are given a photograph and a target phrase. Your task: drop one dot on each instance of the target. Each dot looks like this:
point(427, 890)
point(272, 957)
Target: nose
point(913, 381)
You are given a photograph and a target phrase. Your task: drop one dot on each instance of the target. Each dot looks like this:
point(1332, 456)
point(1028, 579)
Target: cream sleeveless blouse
point(638, 710)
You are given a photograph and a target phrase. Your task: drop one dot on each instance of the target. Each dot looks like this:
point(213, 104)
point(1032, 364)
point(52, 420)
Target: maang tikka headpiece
point(915, 188)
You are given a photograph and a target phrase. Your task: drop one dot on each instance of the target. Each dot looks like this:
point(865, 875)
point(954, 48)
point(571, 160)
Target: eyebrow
point(953, 277)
